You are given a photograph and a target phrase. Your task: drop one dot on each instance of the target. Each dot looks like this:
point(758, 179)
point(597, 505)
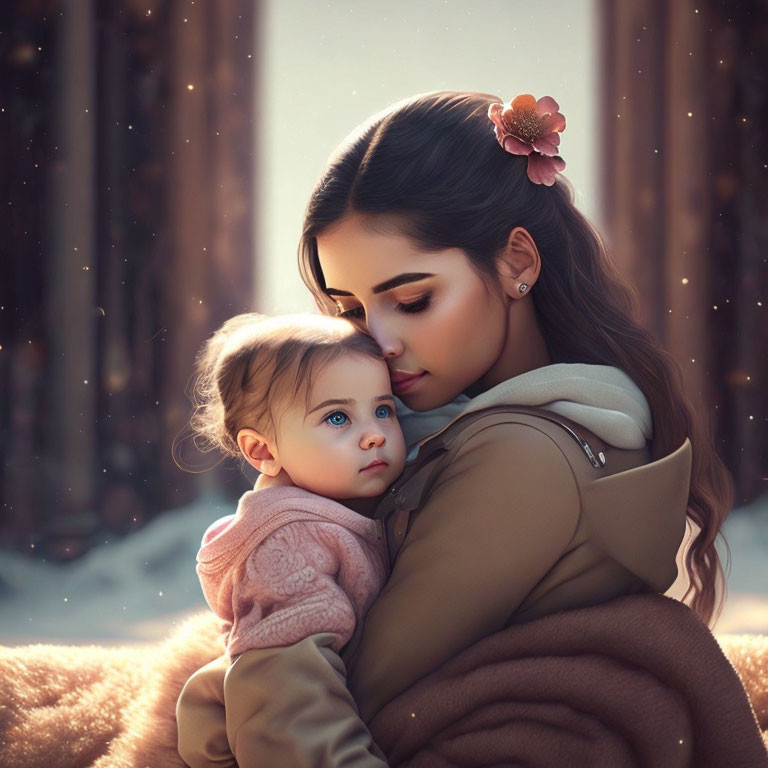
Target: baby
point(306, 400)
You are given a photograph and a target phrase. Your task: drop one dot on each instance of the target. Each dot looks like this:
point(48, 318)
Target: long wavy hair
point(433, 164)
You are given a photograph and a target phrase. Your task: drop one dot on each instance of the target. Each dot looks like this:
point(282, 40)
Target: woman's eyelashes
point(416, 306)
point(412, 307)
point(356, 313)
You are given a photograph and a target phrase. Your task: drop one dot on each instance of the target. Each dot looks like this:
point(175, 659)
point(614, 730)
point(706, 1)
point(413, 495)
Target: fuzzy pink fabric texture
point(289, 564)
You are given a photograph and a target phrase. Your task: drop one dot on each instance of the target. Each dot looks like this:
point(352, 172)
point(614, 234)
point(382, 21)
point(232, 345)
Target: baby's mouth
point(375, 464)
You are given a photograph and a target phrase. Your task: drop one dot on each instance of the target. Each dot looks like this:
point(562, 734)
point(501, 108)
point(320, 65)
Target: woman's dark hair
point(432, 164)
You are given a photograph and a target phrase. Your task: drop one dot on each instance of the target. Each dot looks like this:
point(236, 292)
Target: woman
point(441, 229)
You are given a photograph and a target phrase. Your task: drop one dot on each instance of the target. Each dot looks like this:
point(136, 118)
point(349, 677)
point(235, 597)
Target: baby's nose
point(373, 440)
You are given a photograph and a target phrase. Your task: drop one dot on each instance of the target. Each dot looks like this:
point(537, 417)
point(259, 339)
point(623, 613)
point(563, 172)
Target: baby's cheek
point(312, 462)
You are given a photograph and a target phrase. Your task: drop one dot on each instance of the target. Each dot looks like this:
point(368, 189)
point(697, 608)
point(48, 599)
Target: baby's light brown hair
point(254, 367)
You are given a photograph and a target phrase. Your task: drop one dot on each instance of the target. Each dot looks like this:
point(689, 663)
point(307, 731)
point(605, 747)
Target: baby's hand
point(266, 481)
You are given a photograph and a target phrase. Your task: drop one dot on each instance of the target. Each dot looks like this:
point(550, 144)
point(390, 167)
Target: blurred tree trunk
point(146, 247)
point(69, 437)
point(27, 150)
point(685, 204)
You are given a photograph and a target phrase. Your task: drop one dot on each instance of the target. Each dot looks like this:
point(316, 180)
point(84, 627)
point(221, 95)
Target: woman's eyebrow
point(387, 285)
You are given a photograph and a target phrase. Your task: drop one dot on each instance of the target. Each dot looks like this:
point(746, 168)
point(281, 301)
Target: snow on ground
point(132, 589)
point(137, 589)
point(746, 606)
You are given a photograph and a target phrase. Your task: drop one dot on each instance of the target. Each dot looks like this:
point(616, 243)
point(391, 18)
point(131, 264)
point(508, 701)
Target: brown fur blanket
point(92, 707)
point(638, 681)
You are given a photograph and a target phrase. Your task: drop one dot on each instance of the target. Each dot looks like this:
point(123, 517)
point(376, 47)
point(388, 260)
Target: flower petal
point(542, 169)
point(546, 104)
point(547, 145)
point(522, 101)
point(515, 146)
point(553, 122)
point(494, 114)
point(507, 117)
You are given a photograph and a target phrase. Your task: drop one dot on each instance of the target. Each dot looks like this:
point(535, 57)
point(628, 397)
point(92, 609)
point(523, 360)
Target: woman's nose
point(372, 440)
point(390, 343)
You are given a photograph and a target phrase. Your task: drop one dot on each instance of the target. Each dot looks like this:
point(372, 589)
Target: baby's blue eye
point(337, 418)
point(383, 412)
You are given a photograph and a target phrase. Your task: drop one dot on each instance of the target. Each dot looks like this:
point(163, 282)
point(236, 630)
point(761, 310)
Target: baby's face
point(328, 447)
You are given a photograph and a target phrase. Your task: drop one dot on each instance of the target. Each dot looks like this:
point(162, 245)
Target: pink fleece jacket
point(289, 564)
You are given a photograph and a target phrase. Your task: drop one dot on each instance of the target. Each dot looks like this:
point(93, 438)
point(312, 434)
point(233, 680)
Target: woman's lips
point(402, 383)
point(374, 465)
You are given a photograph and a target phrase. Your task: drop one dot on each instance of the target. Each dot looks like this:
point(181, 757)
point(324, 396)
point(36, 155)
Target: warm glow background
point(327, 67)
point(155, 161)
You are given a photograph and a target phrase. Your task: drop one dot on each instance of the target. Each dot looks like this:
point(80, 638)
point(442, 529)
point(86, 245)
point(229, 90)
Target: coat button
point(400, 498)
point(393, 490)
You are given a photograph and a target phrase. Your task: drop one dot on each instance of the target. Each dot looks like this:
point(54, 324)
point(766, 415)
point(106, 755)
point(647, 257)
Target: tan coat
point(506, 515)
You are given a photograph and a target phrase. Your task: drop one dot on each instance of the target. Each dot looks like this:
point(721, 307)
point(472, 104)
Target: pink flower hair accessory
point(529, 127)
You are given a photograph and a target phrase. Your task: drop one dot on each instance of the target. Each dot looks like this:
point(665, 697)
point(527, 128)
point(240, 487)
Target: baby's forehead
point(350, 376)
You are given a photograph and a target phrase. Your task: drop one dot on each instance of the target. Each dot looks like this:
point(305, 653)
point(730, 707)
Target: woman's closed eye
point(415, 306)
point(356, 313)
point(411, 307)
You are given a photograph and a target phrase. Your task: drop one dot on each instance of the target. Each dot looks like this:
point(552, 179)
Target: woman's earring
point(523, 287)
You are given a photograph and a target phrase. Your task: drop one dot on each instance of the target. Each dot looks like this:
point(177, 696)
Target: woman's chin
point(427, 400)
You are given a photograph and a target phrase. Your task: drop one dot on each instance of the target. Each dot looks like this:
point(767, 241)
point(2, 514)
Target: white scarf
point(599, 397)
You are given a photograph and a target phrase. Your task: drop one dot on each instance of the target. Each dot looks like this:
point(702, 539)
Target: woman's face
point(431, 313)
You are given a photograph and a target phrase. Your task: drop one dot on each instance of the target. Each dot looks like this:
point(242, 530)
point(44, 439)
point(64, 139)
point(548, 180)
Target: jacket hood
point(645, 534)
point(601, 398)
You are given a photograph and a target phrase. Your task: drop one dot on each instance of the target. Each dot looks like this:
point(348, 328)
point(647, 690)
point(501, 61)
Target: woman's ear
point(259, 452)
point(518, 265)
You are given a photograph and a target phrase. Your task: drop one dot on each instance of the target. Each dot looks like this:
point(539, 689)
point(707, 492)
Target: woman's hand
point(282, 478)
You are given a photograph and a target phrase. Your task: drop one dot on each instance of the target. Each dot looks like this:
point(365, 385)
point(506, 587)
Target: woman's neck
point(524, 348)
